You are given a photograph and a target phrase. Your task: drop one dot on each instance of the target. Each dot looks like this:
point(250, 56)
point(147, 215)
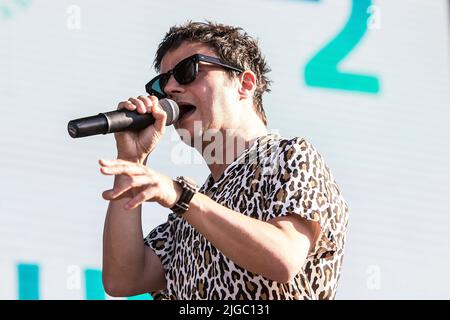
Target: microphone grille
point(172, 110)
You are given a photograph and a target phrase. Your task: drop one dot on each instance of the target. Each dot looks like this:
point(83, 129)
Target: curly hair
point(232, 44)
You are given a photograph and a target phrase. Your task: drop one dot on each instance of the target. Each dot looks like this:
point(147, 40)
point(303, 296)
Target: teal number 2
point(7, 8)
point(322, 70)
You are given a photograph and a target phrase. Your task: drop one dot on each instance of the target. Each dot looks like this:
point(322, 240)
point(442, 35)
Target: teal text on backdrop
point(323, 68)
point(28, 280)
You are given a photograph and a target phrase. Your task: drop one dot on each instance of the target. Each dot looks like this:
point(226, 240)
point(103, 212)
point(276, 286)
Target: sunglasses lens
point(163, 81)
point(156, 87)
point(185, 71)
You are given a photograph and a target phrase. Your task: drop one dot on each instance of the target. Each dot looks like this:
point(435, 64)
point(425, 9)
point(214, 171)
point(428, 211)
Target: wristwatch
point(189, 189)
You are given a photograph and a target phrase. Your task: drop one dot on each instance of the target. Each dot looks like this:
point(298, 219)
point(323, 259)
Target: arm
point(129, 266)
point(275, 249)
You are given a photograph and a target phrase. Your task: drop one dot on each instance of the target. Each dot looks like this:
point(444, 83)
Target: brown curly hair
point(232, 44)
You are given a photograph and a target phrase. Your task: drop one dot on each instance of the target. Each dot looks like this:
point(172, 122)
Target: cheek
point(207, 102)
point(215, 96)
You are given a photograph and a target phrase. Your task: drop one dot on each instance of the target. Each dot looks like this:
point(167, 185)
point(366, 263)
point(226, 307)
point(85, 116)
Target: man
point(248, 232)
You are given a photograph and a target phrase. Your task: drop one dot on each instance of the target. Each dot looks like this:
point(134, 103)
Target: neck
point(220, 154)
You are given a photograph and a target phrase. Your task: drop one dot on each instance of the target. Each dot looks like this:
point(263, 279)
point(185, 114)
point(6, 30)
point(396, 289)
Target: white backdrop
point(387, 145)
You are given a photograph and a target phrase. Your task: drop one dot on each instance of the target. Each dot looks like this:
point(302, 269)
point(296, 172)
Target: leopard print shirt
point(274, 177)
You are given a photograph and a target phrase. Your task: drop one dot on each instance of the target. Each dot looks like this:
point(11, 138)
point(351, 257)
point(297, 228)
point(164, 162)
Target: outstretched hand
point(140, 183)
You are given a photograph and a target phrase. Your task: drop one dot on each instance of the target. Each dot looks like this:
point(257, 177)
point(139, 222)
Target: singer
point(268, 223)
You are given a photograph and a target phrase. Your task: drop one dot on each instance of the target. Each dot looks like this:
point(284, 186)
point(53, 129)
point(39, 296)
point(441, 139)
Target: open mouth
point(186, 110)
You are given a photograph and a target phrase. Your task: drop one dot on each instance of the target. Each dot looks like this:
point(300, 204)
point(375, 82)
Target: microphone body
point(120, 120)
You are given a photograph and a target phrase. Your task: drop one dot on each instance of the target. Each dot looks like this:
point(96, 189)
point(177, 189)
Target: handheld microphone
point(120, 120)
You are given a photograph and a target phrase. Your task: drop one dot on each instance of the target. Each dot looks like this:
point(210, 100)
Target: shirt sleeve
point(301, 184)
point(160, 240)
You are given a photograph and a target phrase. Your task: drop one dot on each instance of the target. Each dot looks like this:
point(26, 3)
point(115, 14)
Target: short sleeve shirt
point(275, 177)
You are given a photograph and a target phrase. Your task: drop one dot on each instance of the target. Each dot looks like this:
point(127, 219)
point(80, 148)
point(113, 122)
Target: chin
point(190, 132)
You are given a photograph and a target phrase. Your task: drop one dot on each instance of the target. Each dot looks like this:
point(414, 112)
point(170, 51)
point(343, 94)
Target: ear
point(247, 84)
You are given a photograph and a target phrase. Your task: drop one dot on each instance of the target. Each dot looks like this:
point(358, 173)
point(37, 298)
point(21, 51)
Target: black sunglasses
point(184, 72)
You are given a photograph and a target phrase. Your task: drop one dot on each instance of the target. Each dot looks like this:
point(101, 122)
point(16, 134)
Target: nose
point(173, 87)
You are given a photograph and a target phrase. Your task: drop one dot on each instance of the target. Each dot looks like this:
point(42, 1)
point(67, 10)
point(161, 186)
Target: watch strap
point(189, 188)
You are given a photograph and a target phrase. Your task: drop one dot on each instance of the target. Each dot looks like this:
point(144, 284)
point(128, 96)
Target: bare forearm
point(123, 247)
point(255, 245)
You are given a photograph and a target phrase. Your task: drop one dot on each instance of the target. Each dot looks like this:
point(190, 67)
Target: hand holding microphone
point(116, 121)
point(138, 125)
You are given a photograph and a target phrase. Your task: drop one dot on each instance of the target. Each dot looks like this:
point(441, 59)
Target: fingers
point(144, 104)
point(142, 196)
point(115, 167)
point(159, 114)
point(128, 187)
point(141, 104)
point(126, 105)
point(122, 169)
point(149, 102)
point(116, 192)
point(139, 179)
